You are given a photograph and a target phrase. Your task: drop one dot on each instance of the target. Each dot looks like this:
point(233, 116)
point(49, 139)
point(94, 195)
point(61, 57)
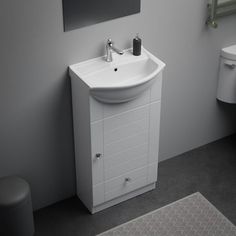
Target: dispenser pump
point(137, 44)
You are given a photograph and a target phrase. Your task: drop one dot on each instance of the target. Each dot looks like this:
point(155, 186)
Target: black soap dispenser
point(137, 44)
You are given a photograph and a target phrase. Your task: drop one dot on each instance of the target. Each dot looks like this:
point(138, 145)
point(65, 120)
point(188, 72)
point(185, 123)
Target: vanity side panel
point(152, 173)
point(156, 89)
point(96, 110)
point(82, 141)
point(154, 131)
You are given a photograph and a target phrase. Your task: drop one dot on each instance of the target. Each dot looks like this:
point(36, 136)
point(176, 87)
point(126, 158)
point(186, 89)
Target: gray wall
point(35, 102)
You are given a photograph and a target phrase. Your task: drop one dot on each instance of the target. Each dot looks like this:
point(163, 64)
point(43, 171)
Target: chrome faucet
point(109, 48)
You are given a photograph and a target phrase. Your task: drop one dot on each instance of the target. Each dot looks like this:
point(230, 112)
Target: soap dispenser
point(137, 45)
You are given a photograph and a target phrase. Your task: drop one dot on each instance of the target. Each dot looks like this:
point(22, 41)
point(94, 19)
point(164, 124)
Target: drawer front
point(126, 183)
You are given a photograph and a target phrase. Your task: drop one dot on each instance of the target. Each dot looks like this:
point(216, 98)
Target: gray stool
point(16, 215)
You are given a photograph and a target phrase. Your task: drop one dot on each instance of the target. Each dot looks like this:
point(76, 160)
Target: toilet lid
point(229, 52)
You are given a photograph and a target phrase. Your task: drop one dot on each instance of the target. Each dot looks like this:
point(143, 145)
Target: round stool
point(16, 214)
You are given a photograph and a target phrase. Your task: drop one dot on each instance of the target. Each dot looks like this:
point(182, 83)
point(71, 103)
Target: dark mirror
point(81, 13)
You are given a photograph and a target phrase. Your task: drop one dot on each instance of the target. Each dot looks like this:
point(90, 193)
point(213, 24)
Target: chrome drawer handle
point(230, 66)
point(127, 180)
point(98, 156)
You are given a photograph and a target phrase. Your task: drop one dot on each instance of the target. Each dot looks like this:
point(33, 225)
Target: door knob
point(127, 179)
point(98, 156)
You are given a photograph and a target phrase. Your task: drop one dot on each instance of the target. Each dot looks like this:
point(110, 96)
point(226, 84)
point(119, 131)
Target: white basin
point(121, 80)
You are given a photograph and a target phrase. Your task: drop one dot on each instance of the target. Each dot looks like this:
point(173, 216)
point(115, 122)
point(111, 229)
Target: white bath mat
point(190, 216)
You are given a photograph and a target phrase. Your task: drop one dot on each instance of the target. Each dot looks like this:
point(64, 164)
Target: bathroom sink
point(121, 80)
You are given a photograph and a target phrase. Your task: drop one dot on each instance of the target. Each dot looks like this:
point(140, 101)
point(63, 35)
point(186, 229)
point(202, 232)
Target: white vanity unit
point(116, 113)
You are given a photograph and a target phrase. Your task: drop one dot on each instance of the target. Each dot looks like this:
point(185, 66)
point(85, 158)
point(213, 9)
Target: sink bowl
point(121, 80)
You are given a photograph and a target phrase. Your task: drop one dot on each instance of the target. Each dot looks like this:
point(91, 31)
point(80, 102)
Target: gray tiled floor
point(210, 170)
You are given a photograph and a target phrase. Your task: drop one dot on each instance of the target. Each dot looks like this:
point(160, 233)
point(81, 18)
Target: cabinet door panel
point(125, 118)
point(125, 144)
point(125, 167)
point(132, 128)
point(125, 161)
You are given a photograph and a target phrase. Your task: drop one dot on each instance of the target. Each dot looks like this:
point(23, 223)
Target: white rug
point(190, 216)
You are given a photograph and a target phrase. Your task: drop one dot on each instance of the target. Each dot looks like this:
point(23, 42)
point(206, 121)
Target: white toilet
point(227, 76)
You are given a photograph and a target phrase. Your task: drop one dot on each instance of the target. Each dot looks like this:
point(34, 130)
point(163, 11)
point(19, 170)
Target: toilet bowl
point(226, 91)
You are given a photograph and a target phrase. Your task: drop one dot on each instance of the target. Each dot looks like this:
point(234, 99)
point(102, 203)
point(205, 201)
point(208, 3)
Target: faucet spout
point(118, 51)
point(109, 48)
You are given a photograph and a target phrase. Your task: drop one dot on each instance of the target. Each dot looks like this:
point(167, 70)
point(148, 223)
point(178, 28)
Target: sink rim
point(118, 61)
